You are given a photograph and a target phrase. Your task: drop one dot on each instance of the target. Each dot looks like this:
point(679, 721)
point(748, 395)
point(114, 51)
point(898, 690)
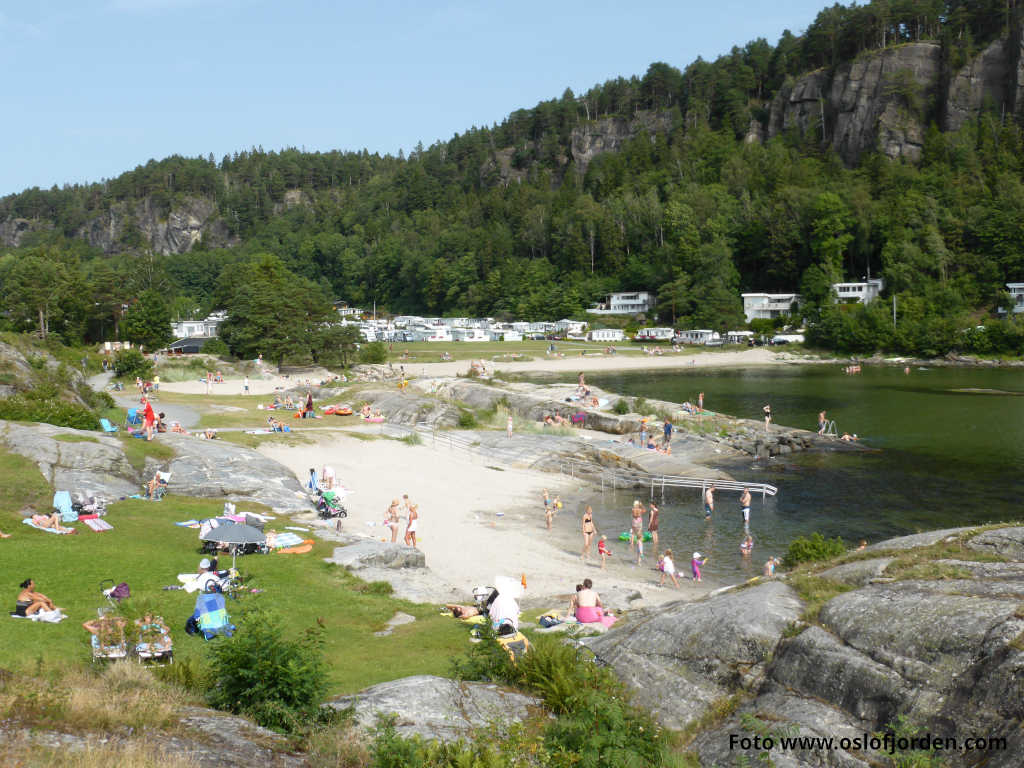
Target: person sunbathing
point(176, 427)
point(154, 485)
point(288, 402)
point(210, 434)
point(275, 425)
point(107, 630)
point(32, 600)
point(463, 611)
point(4, 535)
point(588, 604)
point(52, 522)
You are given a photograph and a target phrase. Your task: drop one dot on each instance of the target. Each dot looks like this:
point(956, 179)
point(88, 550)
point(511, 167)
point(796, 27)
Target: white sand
point(475, 522)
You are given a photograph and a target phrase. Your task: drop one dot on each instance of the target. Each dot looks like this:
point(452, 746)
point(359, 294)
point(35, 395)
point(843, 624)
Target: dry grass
point(22, 752)
point(815, 592)
point(122, 695)
point(343, 746)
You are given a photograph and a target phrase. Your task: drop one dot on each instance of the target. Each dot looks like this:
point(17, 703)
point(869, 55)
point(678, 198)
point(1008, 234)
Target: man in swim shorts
point(652, 526)
point(709, 502)
point(745, 506)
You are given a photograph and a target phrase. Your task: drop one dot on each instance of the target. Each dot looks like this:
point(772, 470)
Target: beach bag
point(120, 592)
point(548, 621)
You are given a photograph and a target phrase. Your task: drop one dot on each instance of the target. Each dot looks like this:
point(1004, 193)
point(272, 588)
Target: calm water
point(951, 451)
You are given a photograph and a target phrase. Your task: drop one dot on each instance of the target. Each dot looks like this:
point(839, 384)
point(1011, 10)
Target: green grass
point(147, 550)
point(72, 438)
point(815, 592)
point(136, 451)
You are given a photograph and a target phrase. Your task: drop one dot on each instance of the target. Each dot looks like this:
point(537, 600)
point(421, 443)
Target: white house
point(606, 334)
point(1016, 290)
point(700, 336)
point(369, 332)
point(453, 322)
point(655, 334)
point(469, 334)
point(431, 333)
point(865, 292)
point(185, 329)
point(355, 312)
point(626, 303)
point(768, 306)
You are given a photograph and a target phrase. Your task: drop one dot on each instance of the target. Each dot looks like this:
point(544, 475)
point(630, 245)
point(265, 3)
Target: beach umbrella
point(235, 533)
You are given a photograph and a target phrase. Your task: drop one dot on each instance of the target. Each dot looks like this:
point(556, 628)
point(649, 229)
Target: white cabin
point(431, 333)
point(606, 334)
point(738, 337)
point(469, 334)
point(699, 336)
point(655, 334)
point(501, 334)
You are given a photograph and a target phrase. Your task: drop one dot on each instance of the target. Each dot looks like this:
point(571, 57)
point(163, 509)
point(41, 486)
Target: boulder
point(1008, 542)
point(858, 573)
point(707, 649)
point(382, 554)
point(219, 469)
point(439, 708)
point(925, 539)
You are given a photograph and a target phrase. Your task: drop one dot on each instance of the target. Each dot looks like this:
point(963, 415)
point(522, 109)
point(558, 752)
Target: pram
point(328, 504)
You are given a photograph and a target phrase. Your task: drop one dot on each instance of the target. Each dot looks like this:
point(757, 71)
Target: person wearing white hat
point(695, 565)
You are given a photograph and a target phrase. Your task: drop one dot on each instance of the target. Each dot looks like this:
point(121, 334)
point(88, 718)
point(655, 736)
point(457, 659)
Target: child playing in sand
point(668, 568)
point(603, 551)
point(695, 565)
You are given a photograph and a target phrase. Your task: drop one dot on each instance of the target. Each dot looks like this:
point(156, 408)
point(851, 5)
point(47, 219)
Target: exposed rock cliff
point(884, 100)
point(187, 223)
point(940, 642)
point(609, 134)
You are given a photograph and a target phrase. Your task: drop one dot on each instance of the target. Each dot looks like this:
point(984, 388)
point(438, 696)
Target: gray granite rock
point(1008, 542)
point(925, 539)
point(439, 708)
point(707, 649)
point(380, 554)
point(857, 573)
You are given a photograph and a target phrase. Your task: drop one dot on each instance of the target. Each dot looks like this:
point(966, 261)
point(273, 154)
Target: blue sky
point(96, 87)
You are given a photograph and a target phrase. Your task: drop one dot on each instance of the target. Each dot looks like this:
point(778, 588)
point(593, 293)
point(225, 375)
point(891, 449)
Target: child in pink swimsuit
point(695, 565)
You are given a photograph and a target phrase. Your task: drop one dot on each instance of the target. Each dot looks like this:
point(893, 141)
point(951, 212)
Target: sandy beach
point(476, 520)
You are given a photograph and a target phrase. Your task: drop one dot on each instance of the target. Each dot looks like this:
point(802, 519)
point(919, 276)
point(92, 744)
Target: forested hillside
point(678, 181)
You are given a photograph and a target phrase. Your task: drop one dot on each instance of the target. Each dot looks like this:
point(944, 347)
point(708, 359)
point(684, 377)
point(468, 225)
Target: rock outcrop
point(883, 100)
point(946, 654)
point(439, 708)
point(608, 134)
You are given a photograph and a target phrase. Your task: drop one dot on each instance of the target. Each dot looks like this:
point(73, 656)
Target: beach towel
point(188, 524)
point(287, 539)
point(98, 525)
point(28, 521)
point(295, 528)
point(301, 549)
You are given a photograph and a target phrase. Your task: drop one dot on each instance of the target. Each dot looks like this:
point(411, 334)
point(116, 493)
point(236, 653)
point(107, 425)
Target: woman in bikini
point(391, 521)
point(410, 529)
point(588, 531)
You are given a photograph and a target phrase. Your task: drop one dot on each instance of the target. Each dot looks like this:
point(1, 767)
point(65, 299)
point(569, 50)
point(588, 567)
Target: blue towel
point(62, 503)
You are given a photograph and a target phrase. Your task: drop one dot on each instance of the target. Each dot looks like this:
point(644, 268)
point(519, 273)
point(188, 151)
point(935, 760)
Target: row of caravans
point(702, 336)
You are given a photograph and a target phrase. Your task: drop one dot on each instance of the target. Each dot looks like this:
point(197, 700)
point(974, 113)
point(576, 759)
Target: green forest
point(499, 221)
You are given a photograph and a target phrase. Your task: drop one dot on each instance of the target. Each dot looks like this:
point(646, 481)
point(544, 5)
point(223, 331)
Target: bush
point(261, 672)
point(621, 407)
point(132, 363)
point(466, 420)
point(216, 347)
point(812, 550)
point(34, 406)
point(374, 353)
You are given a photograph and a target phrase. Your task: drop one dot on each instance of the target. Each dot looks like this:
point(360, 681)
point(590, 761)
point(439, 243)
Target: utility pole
point(894, 310)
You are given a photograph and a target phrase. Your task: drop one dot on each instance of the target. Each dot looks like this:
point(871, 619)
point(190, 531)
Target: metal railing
point(620, 478)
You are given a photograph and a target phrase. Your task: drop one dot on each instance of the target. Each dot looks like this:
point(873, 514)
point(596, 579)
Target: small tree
point(131, 362)
point(148, 321)
point(374, 352)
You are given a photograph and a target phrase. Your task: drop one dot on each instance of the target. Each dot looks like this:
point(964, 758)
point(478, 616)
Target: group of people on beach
point(393, 517)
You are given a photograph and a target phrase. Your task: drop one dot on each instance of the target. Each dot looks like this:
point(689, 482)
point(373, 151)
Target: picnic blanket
point(62, 503)
point(301, 549)
point(28, 521)
point(50, 617)
point(287, 539)
point(99, 525)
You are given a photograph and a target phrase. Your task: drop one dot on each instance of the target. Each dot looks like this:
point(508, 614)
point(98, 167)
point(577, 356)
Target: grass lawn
point(242, 411)
point(147, 550)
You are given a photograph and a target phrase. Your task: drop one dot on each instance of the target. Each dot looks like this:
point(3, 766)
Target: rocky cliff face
point(927, 627)
point(883, 100)
point(192, 221)
point(609, 134)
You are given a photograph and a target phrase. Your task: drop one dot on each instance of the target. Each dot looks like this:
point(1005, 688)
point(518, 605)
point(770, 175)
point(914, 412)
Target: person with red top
point(148, 418)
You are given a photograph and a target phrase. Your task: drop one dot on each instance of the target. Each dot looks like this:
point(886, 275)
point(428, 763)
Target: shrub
point(34, 406)
point(216, 347)
point(375, 353)
point(279, 681)
point(466, 420)
point(812, 550)
point(621, 407)
point(131, 362)
point(640, 405)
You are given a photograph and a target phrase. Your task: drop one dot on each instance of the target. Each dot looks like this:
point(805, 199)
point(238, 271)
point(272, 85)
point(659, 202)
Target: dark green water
point(951, 451)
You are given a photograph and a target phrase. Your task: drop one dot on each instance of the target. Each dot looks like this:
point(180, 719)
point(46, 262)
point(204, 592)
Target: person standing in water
point(821, 423)
point(652, 526)
point(745, 506)
point(709, 502)
point(767, 416)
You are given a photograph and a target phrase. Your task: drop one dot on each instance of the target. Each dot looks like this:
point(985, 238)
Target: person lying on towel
point(51, 521)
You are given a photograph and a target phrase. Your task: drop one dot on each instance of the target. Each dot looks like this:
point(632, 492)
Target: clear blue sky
point(93, 88)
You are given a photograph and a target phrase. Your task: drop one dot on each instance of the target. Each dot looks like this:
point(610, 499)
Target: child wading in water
point(668, 568)
point(695, 565)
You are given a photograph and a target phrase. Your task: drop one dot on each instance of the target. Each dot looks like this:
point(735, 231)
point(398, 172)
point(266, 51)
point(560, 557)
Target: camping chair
point(211, 615)
point(62, 503)
point(107, 426)
point(579, 418)
point(155, 645)
point(132, 417)
point(161, 487)
point(112, 647)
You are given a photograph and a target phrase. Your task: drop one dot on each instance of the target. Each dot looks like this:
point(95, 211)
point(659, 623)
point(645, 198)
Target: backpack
point(121, 592)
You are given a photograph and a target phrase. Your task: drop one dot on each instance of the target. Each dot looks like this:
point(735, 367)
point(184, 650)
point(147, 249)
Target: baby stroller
point(328, 505)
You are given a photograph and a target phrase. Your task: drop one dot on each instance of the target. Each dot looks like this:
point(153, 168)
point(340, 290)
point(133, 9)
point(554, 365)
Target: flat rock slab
point(438, 708)
point(919, 539)
point(380, 554)
point(858, 573)
point(1008, 542)
point(395, 621)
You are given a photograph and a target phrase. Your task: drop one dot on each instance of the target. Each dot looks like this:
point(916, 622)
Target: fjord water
point(950, 452)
